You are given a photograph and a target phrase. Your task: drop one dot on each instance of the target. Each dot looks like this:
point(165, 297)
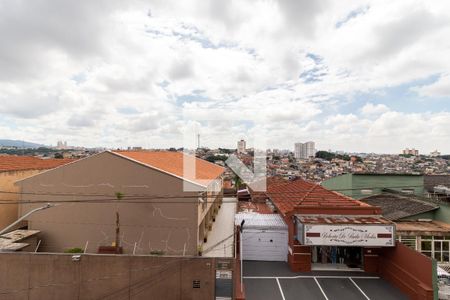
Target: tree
point(59, 156)
point(237, 182)
point(213, 158)
point(325, 155)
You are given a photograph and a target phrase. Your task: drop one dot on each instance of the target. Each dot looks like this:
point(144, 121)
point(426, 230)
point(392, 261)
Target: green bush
point(74, 250)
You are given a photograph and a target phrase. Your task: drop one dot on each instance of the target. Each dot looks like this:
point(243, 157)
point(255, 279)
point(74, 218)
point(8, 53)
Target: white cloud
point(373, 109)
point(440, 88)
point(109, 73)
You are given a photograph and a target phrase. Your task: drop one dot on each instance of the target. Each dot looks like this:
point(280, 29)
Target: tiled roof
point(422, 227)
point(300, 193)
point(173, 163)
point(22, 163)
point(255, 207)
point(258, 196)
point(396, 206)
point(342, 220)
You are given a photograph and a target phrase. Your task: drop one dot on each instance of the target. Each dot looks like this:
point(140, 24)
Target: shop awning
point(361, 231)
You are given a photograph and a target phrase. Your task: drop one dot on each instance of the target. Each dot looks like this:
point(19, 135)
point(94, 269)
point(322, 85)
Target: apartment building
point(304, 150)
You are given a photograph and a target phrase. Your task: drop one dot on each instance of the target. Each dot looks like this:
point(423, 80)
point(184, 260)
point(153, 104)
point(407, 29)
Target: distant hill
point(19, 144)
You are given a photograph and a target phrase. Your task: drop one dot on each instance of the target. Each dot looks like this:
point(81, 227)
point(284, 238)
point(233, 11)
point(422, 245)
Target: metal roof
point(11, 241)
point(260, 221)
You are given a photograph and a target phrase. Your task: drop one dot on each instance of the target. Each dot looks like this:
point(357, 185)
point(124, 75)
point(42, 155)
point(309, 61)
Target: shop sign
point(347, 235)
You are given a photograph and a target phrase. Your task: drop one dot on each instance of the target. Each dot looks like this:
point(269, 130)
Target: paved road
point(274, 281)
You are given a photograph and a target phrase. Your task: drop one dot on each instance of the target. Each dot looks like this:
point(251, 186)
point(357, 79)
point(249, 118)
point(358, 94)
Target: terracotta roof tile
point(22, 163)
point(270, 181)
point(342, 220)
point(426, 228)
point(300, 193)
point(173, 163)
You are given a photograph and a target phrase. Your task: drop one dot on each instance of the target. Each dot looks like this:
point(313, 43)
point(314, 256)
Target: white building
point(241, 146)
point(304, 150)
point(61, 145)
point(435, 153)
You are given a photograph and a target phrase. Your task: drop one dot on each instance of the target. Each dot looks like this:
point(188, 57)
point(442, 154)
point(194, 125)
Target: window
point(438, 256)
point(426, 245)
point(437, 247)
point(366, 191)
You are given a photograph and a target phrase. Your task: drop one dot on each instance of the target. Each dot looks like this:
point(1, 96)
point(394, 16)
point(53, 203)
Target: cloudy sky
point(369, 76)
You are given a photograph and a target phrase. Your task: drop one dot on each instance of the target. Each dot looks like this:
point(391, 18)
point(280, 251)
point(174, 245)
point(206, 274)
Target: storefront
point(339, 241)
point(328, 228)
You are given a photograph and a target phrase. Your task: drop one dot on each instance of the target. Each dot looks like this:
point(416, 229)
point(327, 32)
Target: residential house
point(163, 205)
point(421, 224)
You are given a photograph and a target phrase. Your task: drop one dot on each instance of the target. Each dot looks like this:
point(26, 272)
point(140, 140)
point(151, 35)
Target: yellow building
point(12, 169)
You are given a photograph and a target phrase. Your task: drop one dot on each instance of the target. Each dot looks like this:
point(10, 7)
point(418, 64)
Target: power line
point(160, 200)
point(234, 194)
point(149, 196)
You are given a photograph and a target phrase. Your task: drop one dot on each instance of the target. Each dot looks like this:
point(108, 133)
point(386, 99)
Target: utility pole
point(117, 232)
point(24, 216)
point(241, 230)
point(119, 196)
point(198, 141)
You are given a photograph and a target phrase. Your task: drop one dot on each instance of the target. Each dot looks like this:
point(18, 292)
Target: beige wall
point(8, 212)
point(161, 225)
point(57, 276)
point(211, 197)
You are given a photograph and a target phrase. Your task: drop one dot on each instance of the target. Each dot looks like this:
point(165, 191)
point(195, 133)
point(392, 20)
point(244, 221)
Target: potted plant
point(200, 250)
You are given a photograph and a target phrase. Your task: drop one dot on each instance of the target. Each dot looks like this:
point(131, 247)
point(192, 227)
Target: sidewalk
point(221, 236)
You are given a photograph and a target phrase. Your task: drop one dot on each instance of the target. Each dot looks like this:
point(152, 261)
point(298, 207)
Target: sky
point(358, 76)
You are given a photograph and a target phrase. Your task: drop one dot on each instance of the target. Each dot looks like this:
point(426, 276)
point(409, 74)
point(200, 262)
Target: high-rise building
point(412, 151)
point(61, 145)
point(241, 146)
point(304, 150)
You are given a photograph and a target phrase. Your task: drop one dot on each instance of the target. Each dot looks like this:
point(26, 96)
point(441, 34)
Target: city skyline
point(62, 145)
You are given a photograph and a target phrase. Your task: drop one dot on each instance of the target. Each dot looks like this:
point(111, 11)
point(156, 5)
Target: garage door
point(268, 245)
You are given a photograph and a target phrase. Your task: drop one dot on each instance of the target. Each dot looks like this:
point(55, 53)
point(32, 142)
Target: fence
point(92, 276)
